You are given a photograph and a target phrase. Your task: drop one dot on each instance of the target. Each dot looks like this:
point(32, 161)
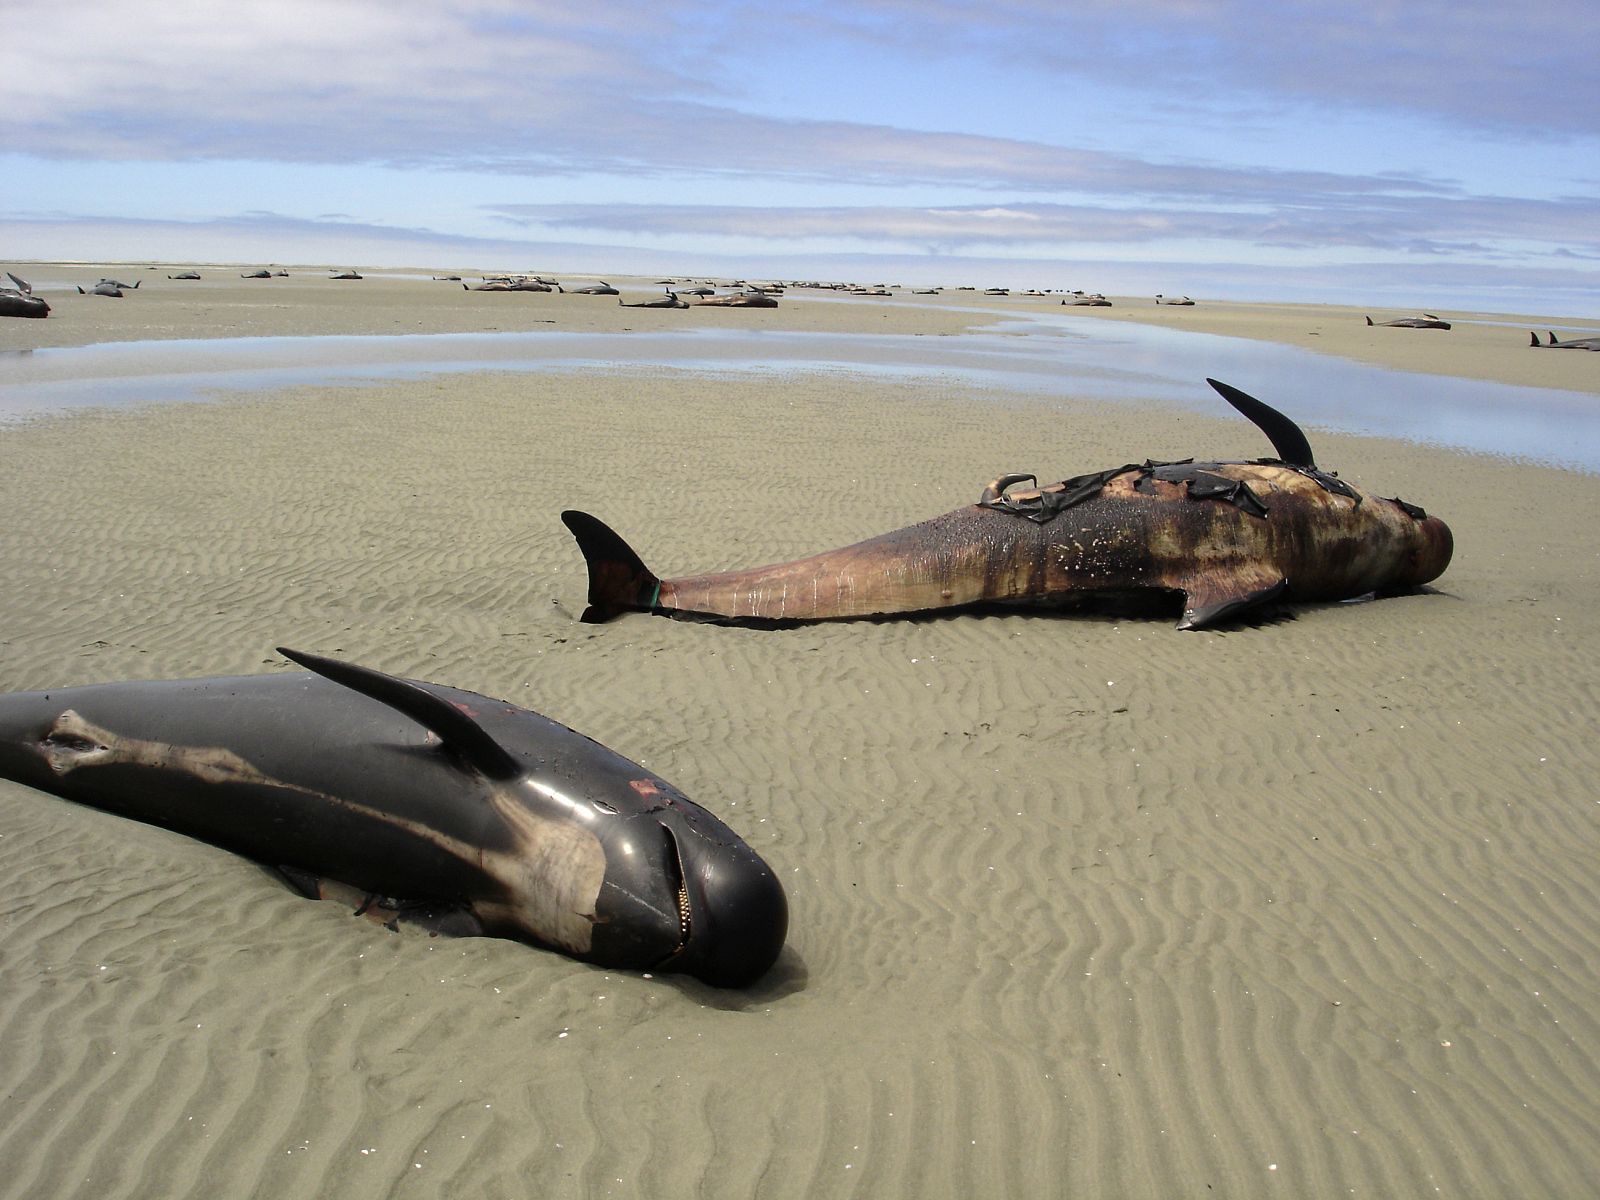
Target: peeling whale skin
point(463, 813)
point(1226, 536)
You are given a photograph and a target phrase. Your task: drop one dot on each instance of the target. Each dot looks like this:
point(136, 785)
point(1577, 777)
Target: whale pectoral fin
point(449, 920)
point(1210, 602)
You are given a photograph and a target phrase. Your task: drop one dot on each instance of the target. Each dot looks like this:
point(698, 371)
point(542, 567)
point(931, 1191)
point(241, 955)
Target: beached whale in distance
point(508, 285)
point(1581, 343)
point(1226, 536)
point(738, 300)
point(1425, 321)
point(436, 805)
point(670, 300)
point(106, 287)
point(19, 300)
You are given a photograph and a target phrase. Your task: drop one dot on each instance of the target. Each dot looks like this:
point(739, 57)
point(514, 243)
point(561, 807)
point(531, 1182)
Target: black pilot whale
point(482, 817)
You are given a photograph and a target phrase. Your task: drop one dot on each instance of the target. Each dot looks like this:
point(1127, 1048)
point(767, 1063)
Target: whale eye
point(603, 806)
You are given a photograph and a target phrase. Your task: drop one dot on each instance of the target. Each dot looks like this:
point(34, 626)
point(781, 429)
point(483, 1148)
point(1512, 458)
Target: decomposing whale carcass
point(738, 300)
point(1226, 536)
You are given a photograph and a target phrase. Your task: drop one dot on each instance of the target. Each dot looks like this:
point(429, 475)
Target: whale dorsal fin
point(1284, 434)
point(453, 726)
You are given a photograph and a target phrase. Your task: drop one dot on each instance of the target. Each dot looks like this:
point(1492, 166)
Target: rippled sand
point(1081, 905)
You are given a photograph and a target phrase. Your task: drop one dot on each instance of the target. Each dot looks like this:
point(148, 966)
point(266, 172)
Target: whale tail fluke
point(618, 579)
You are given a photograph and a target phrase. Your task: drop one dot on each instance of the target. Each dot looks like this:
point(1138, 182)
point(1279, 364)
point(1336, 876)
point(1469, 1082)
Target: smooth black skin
point(18, 300)
point(447, 763)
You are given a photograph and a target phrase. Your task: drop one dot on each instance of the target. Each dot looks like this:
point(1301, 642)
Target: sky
point(1417, 155)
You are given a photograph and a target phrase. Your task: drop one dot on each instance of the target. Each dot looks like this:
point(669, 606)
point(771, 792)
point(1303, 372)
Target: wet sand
point(1080, 905)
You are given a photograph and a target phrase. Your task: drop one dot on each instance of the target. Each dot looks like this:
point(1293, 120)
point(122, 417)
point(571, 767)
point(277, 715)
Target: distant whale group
point(1581, 343)
point(749, 296)
point(19, 300)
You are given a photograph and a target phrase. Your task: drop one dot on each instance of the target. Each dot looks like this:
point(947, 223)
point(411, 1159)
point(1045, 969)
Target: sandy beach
point(1080, 905)
point(308, 302)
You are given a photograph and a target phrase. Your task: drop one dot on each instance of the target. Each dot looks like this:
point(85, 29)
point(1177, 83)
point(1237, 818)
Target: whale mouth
point(732, 915)
point(685, 914)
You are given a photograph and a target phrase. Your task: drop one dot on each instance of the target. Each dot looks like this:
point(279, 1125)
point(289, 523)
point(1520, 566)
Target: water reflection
point(1042, 356)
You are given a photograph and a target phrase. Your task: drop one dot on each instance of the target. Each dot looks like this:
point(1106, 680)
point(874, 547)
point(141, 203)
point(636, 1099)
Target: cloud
point(1395, 223)
point(1471, 63)
point(632, 88)
point(290, 80)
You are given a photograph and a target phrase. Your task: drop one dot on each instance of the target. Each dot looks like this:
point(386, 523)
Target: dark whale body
point(1425, 321)
point(470, 814)
point(670, 300)
point(19, 300)
point(1578, 343)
